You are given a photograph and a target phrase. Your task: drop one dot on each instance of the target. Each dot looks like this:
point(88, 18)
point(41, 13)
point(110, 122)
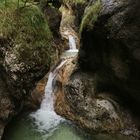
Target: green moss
point(27, 32)
point(74, 1)
point(91, 15)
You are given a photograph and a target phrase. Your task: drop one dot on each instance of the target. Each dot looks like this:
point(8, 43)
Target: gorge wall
point(28, 47)
point(99, 89)
point(102, 93)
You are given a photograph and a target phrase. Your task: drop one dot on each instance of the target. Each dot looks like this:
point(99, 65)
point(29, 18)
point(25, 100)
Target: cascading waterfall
point(45, 118)
point(72, 43)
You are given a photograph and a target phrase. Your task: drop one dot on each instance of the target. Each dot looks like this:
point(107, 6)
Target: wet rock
point(7, 107)
point(34, 100)
point(27, 50)
point(1, 129)
point(77, 99)
point(53, 17)
point(110, 49)
point(67, 25)
point(102, 92)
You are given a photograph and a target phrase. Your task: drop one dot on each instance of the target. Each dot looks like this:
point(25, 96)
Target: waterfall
point(72, 44)
point(45, 118)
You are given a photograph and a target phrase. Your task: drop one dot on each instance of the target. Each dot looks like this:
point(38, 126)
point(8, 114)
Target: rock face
point(7, 106)
point(102, 93)
point(27, 50)
point(78, 100)
point(99, 90)
point(110, 49)
point(34, 100)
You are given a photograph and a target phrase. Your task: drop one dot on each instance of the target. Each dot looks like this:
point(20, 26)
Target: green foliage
point(43, 3)
point(74, 1)
point(69, 19)
point(91, 15)
point(12, 3)
point(27, 32)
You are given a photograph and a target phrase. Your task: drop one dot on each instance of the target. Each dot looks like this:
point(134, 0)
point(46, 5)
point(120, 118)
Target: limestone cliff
point(99, 89)
point(102, 93)
point(28, 48)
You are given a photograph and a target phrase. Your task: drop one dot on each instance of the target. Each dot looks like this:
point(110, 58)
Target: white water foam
point(74, 51)
point(45, 118)
point(72, 43)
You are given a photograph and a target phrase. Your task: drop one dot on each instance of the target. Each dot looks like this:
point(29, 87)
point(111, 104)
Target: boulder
point(27, 50)
point(102, 93)
point(109, 48)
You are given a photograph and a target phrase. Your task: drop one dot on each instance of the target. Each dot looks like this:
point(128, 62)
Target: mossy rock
point(74, 1)
point(27, 32)
point(91, 15)
point(29, 50)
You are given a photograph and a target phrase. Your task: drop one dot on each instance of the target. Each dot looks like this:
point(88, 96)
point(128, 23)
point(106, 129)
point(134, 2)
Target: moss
point(69, 19)
point(91, 15)
point(27, 32)
point(75, 2)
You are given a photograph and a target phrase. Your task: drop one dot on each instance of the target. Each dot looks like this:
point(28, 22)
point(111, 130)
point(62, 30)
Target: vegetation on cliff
point(74, 1)
point(90, 15)
point(26, 31)
point(100, 86)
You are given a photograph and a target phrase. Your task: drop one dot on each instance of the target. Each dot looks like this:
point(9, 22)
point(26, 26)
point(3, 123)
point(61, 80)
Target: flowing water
point(72, 43)
point(73, 50)
point(45, 124)
point(23, 128)
point(45, 118)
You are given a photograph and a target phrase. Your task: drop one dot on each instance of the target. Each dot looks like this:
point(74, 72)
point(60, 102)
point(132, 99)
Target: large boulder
point(27, 50)
point(110, 48)
point(77, 99)
point(102, 93)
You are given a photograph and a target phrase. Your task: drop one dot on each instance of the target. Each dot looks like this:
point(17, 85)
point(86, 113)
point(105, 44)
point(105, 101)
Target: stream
point(23, 128)
point(45, 124)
